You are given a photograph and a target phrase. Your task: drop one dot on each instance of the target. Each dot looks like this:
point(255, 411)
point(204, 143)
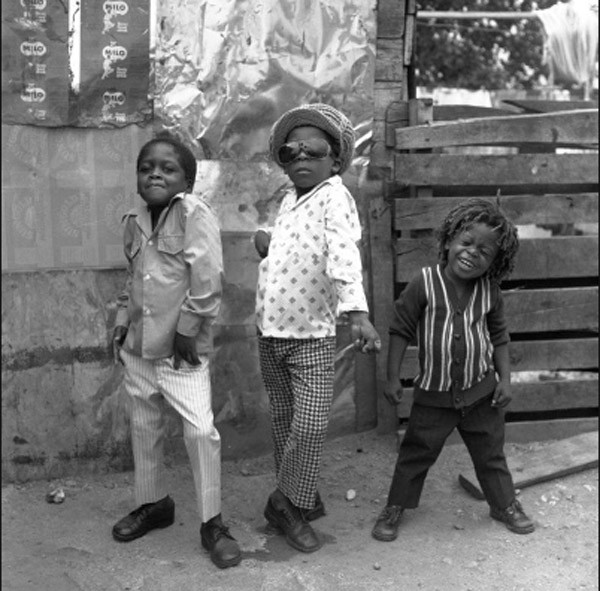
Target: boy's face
point(471, 253)
point(306, 172)
point(160, 176)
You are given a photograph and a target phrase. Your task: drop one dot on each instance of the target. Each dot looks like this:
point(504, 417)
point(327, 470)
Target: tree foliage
point(481, 53)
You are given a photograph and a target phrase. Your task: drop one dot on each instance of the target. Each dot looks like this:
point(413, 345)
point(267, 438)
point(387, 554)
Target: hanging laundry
point(572, 39)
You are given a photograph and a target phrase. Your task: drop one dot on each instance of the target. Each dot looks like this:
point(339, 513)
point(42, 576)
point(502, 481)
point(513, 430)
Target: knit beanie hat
point(325, 118)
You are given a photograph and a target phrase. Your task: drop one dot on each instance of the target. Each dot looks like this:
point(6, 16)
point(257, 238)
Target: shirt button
point(456, 361)
point(457, 400)
point(150, 242)
point(146, 312)
point(147, 276)
point(458, 312)
point(457, 337)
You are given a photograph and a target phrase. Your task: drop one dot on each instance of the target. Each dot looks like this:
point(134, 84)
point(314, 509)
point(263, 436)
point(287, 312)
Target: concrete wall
point(63, 408)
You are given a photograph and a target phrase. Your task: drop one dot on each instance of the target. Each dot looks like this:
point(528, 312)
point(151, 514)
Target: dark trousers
point(481, 427)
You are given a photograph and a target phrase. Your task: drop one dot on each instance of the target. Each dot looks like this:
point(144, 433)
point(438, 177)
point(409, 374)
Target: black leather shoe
point(514, 518)
point(283, 515)
point(387, 524)
point(145, 518)
point(317, 511)
point(216, 539)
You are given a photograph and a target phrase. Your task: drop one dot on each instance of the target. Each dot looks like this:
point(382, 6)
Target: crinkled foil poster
point(226, 69)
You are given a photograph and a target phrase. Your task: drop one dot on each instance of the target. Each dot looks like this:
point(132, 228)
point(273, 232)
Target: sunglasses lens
point(316, 148)
point(288, 153)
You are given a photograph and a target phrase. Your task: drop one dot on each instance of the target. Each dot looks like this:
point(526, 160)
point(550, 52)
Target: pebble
point(377, 566)
point(350, 494)
point(56, 496)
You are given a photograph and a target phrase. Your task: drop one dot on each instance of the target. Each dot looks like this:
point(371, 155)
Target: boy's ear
point(337, 165)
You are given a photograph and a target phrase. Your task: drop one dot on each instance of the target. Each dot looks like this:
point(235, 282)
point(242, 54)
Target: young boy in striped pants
point(163, 337)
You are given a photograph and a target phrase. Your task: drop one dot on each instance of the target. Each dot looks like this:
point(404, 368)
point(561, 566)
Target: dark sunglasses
point(314, 148)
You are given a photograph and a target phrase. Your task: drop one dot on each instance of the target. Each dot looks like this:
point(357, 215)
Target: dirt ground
point(448, 544)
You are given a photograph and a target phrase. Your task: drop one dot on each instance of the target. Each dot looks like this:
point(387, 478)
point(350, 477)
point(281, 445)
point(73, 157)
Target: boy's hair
point(186, 157)
point(484, 211)
point(324, 117)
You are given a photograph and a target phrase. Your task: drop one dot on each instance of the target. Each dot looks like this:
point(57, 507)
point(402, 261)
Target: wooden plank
point(554, 355)
point(411, 214)
point(559, 129)
point(540, 396)
point(550, 310)
point(549, 462)
point(534, 355)
point(495, 170)
point(388, 65)
point(549, 106)
point(475, 14)
point(382, 272)
point(538, 258)
point(454, 112)
point(409, 38)
point(390, 18)
point(554, 395)
point(396, 115)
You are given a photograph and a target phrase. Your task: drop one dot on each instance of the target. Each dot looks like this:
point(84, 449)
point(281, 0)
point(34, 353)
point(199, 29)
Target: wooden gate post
point(394, 49)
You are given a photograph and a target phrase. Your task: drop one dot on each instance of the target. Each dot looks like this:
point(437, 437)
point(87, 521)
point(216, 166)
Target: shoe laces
point(291, 516)
point(142, 510)
point(215, 531)
point(515, 509)
point(392, 513)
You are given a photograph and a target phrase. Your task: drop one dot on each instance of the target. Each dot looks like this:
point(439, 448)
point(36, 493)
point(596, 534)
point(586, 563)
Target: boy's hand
point(184, 349)
point(393, 391)
point(501, 395)
point(364, 335)
point(119, 335)
point(262, 240)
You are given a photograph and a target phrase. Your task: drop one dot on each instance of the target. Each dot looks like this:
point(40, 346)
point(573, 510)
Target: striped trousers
point(298, 375)
point(151, 382)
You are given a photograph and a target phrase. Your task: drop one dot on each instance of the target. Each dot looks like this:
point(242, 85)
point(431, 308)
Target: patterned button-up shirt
point(313, 271)
point(174, 277)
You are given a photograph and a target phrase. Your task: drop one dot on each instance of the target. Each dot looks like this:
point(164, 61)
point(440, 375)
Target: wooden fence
point(543, 169)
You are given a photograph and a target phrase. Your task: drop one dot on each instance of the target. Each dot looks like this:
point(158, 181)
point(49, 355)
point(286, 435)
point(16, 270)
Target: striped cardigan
point(456, 339)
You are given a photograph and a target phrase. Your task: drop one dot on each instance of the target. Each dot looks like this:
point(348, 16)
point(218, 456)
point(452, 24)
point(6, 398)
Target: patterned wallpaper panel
point(63, 194)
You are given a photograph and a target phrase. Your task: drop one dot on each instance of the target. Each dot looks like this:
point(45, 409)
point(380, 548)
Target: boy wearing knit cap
point(311, 272)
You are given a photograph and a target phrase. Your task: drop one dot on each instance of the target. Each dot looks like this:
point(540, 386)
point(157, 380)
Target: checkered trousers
point(298, 376)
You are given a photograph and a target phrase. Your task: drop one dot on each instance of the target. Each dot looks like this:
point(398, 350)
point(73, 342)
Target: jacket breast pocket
point(170, 244)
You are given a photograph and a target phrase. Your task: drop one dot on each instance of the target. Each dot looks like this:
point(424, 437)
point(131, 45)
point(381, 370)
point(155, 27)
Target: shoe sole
point(227, 563)
point(383, 538)
point(129, 538)
point(223, 563)
point(274, 523)
point(516, 530)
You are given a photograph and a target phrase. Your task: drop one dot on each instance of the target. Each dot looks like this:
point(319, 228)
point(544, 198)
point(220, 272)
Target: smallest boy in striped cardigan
point(456, 313)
